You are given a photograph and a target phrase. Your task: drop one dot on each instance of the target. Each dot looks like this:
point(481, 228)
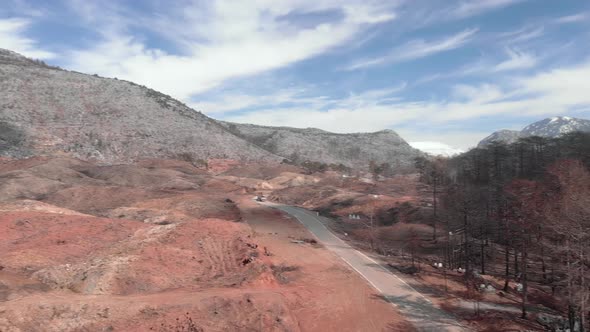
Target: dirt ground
point(165, 246)
point(317, 279)
point(391, 219)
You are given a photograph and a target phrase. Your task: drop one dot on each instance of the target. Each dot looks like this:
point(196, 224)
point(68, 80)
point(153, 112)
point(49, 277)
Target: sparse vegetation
point(192, 159)
point(281, 272)
point(184, 324)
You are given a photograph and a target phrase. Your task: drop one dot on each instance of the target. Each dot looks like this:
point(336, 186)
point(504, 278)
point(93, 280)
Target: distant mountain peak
point(556, 126)
point(558, 118)
point(550, 127)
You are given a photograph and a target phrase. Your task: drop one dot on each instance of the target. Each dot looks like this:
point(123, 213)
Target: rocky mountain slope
point(505, 136)
point(550, 128)
point(556, 126)
point(353, 150)
point(46, 110)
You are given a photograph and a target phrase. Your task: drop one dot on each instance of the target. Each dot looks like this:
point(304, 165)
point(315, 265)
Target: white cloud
point(561, 88)
point(342, 120)
point(482, 93)
point(517, 60)
point(576, 18)
point(12, 37)
point(226, 39)
point(417, 49)
point(546, 93)
point(209, 43)
point(521, 35)
point(475, 7)
point(358, 112)
point(436, 148)
point(229, 102)
point(460, 139)
point(426, 13)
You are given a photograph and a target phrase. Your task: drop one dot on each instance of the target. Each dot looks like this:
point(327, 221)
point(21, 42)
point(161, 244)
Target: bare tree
point(570, 210)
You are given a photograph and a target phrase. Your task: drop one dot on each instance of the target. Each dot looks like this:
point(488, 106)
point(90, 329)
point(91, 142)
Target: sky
point(449, 71)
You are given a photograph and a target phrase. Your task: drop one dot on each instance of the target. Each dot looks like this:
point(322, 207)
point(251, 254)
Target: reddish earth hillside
point(164, 246)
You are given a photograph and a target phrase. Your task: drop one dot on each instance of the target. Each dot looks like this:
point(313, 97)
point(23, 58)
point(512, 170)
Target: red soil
point(116, 248)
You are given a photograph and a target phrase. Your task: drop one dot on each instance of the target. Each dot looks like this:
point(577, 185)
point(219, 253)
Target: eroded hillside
point(161, 245)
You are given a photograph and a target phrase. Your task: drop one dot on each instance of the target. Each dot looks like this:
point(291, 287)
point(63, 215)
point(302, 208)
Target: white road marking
point(367, 257)
point(444, 322)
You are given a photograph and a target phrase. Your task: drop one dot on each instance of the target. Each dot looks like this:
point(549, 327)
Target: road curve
point(418, 309)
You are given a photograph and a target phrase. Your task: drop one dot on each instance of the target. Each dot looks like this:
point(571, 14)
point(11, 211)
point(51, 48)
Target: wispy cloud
point(215, 54)
point(516, 60)
point(545, 93)
point(232, 102)
point(13, 37)
point(474, 7)
point(426, 13)
point(576, 18)
point(521, 35)
point(223, 40)
point(225, 104)
point(417, 49)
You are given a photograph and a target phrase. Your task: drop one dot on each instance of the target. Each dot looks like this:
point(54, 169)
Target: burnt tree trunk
point(524, 279)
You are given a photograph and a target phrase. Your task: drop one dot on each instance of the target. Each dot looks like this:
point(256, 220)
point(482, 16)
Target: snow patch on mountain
point(556, 126)
point(550, 128)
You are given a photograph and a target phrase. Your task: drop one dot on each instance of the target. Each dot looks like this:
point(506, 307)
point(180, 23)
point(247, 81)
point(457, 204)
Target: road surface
point(424, 315)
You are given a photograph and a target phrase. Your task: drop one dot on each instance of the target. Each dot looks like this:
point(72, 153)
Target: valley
point(163, 245)
point(124, 209)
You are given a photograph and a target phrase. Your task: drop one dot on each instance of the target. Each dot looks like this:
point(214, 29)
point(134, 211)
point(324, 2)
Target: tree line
point(520, 211)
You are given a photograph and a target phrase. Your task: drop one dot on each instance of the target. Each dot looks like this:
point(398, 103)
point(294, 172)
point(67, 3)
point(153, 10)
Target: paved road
point(416, 307)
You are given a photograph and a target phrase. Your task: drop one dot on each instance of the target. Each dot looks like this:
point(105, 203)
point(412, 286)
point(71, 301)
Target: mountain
point(46, 110)
point(556, 126)
point(436, 148)
point(501, 136)
point(353, 150)
point(550, 128)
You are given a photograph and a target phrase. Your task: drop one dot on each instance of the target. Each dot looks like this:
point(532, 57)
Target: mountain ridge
point(47, 110)
point(549, 128)
point(354, 150)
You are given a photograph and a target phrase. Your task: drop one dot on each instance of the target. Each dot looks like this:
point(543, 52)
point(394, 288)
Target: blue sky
point(433, 70)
